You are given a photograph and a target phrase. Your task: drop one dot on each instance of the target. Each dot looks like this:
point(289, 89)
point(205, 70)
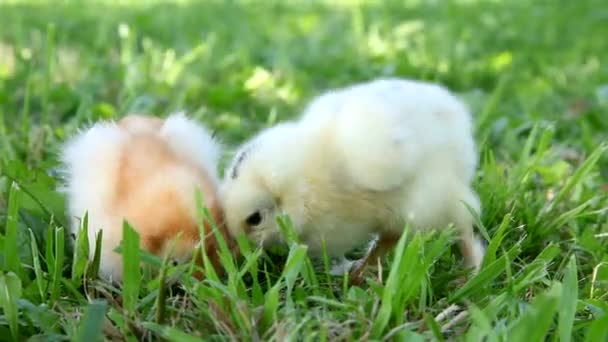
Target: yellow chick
point(362, 160)
point(144, 170)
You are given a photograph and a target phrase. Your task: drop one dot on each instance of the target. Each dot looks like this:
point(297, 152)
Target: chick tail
point(91, 160)
point(473, 249)
point(191, 141)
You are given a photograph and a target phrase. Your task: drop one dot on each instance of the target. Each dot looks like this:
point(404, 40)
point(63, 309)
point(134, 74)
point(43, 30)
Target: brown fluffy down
point(159, 211)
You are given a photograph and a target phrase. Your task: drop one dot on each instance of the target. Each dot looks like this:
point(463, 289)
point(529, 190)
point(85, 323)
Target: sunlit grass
point(534, 74)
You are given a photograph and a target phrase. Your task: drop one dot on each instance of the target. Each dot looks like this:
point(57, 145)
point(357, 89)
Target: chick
point(362, 160)
point(146, 171)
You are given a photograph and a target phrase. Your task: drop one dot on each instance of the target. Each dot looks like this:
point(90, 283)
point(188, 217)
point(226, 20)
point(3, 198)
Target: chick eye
point(254, 219)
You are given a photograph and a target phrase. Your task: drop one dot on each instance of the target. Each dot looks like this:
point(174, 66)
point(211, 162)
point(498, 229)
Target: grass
point(535, 74)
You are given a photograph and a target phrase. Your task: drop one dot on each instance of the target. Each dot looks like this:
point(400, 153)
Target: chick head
point(258, 184)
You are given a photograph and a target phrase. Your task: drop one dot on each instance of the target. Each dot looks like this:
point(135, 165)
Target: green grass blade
point(271, 306)
point(413, 268)
point(91, 324)
point(131, 268)
point(569, 300)
point(50, 69)
point(485, 276)
point(294, 264)
point(480, 322)
point(69, 290)
point(492, 103)
point(526, 152)
point(495, 243)
point(59, 251)
point(225, 256)
point(171, 333)
point(10, 292)
point(390, 290)
point(37, 268)
point(569, 215)
point(25, 110)
point(538, 117)
point(434, 327)
point(161, 298)
point(598, 330)
point(49, 255)
point(93, 270)
point(536, 271)
point(581, 173)
point(10, 253)
point(288, 231)
point(536, 320)
point(81, 250)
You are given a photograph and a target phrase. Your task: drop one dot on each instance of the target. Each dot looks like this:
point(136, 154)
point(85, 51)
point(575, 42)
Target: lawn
point(535, 74)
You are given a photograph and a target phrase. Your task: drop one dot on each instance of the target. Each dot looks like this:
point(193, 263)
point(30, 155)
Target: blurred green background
point(240, 66)
point(244, 64)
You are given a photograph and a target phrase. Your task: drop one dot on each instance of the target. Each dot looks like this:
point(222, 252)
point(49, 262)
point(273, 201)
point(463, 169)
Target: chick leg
point(470, 245)
point(472, 250)
point(343, 265)
point(462, 198)
point(378, 249)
